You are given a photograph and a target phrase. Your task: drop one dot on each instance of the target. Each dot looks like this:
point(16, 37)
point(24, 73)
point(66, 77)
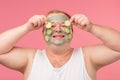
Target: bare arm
point(109, 51)
point(109, 36)
point(10, 37)
point(102, 54)
point(16, 57)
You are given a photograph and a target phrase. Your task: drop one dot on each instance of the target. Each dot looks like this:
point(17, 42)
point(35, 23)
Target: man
point(59, 61)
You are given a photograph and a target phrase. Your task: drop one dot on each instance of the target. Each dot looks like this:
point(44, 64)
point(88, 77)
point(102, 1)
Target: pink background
point(17, 12)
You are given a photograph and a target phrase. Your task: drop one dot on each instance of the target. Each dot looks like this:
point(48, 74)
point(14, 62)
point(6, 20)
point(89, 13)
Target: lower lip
point(58, 37)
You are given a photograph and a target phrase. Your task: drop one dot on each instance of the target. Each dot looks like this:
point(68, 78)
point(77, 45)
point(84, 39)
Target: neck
point(59, 57)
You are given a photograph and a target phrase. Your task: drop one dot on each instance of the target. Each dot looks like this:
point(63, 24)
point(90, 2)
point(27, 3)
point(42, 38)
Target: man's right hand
point(16, 57)
point(36, 22)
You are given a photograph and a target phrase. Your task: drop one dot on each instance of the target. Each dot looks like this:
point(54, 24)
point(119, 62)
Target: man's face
point(58, 30)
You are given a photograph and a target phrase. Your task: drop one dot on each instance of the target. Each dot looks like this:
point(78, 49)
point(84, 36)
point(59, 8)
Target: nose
point(58, 29)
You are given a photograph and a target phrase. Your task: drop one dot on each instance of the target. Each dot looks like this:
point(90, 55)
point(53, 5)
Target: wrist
point(95, 29)
point(28, 27)
point(89, 27)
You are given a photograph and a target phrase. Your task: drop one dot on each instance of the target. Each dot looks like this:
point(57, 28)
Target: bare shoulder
point(17, 58)
point(101, 55)
point(88, 62)
point(97, 56)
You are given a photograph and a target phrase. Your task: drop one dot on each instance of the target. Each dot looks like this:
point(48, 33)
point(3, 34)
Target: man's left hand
point(81, 21)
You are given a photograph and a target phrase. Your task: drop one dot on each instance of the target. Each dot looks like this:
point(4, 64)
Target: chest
point(57, 62)
point(73, 69)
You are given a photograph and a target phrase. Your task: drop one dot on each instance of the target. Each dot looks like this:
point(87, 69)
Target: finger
point(83, 23)
point(72, 18)
point(44, 19)
point(80, 20)
point(39, 22)
point(33, 21)
point(75, 17)
point(40, 18)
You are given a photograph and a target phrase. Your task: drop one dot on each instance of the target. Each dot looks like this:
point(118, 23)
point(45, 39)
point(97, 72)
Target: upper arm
point(17, 58)
point(101, 55)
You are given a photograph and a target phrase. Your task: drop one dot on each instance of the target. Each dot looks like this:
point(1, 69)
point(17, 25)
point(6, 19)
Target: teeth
point(48, 25)
point(67, 23)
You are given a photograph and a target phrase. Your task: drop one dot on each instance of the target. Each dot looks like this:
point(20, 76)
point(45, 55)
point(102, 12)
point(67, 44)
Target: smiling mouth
point(58, 37)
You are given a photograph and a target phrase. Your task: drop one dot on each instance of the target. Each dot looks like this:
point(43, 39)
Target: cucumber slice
point(67, 30)
point(67, 23)
point(69, 36)
point(47, 38)
point(49, 31)
point(48, 25)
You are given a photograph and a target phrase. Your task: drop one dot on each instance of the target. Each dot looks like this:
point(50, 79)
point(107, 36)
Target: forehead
point(57, 17)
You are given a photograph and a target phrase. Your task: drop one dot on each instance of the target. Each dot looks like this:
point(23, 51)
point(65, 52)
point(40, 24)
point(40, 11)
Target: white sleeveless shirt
point(74, 69)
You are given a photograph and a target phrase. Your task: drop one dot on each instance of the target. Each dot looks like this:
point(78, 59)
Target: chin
point(59, 43)
point(56, 45)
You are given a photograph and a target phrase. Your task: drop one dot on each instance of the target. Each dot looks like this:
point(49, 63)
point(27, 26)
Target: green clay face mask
point(67, 30)
point(57, 18)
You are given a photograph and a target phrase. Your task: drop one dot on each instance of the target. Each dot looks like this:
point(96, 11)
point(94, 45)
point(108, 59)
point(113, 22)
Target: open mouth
point(58, 36)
